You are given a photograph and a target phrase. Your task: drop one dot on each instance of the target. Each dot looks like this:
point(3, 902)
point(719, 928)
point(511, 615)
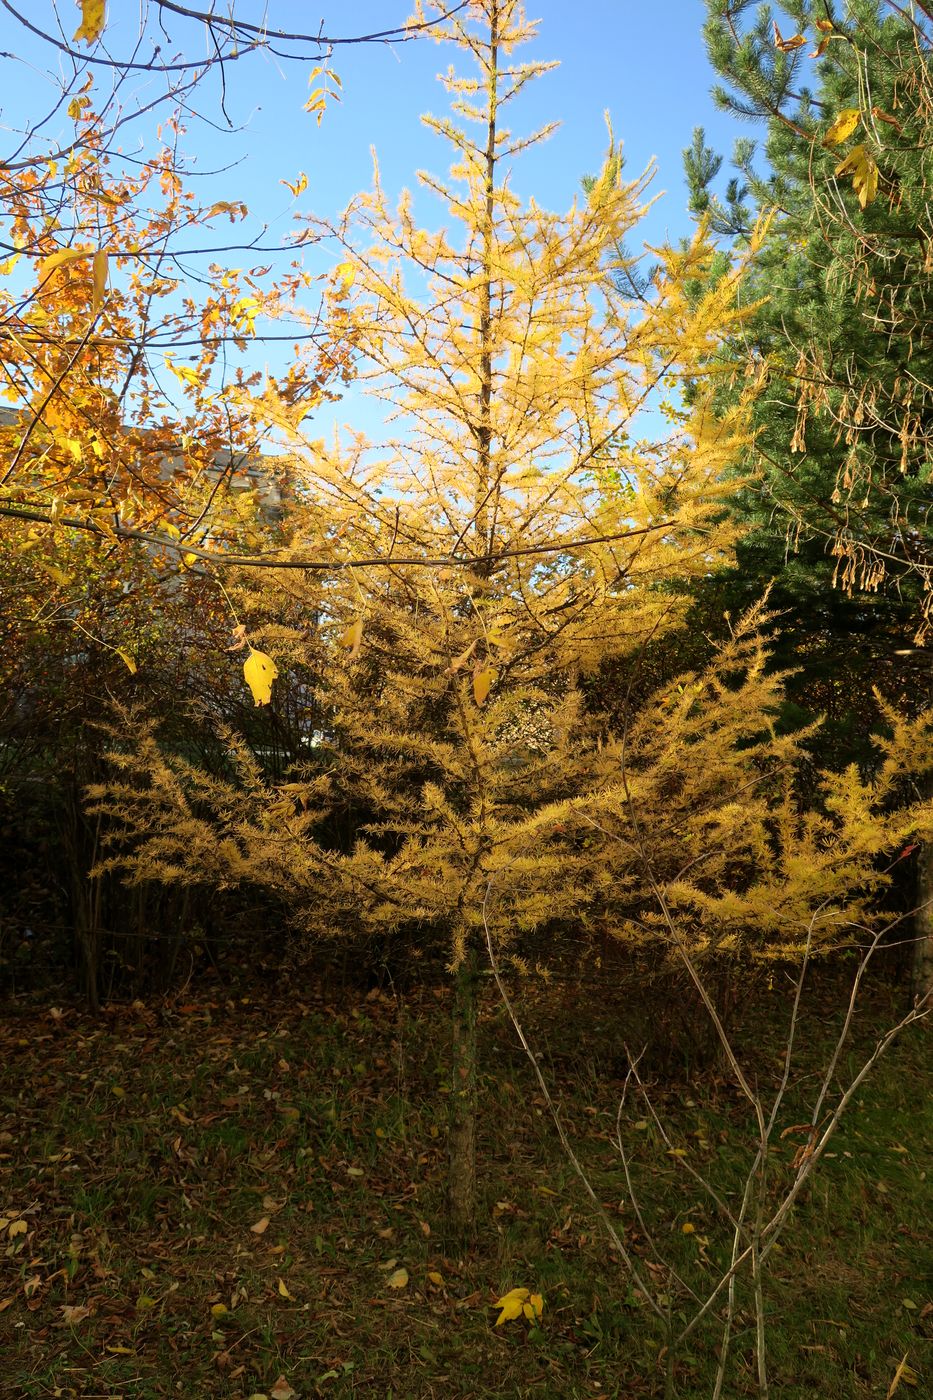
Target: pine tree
point(840, 512)
point(844, 419)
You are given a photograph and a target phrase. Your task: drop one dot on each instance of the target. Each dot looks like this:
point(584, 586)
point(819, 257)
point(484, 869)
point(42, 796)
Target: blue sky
point(644, 63)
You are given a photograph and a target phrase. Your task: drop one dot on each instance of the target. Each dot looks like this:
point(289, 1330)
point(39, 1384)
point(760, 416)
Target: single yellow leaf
point(399, 1279)
point(283, 1291)
point(861, 166)
point(347, 274)
point(100, 279)
point(511, 1306)
point(259, 671)
point(18, 1227)
point(436, 1278)
point(796, 41)
point(61, 258)
point(121, 1351)
point(483, 677)
point(131, 666)
point(261, 1226)
point(461, 660)
point(144, 1303)
point(93, 19)
point(298, 186)
point(904, 1373)
point(219, 1310)
point(117, 1092)
point(54, 572)
point(687, 1228)
point(352, 638)
point(843, 127)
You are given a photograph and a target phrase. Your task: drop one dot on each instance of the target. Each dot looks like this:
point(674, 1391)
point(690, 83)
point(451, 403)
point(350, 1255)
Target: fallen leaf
point(436, 1278)
point(904, 1373)
point(219, 1310)
point(399, 1279)
point(283, 1291)
point(281, 1390)
point(18, 1227)
point(533, 1308)
point(511, 1304)
point(74, 1314)
point(261, 1226)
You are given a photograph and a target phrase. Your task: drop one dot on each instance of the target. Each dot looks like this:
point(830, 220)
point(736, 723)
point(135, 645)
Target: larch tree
point(519, 533)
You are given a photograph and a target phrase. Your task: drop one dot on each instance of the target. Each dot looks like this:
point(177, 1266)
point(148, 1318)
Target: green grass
point(141, 1154)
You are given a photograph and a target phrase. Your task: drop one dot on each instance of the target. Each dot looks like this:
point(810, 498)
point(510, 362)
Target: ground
point(238, 1195)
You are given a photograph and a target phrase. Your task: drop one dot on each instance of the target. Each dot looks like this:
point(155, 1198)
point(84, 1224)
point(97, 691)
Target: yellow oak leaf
point(259, 671)
point(93, 19)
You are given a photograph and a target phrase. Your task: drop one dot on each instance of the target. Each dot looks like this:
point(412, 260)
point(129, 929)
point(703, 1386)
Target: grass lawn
point(231, 1197)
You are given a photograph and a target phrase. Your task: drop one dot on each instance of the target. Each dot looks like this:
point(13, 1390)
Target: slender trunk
point(461, 1179)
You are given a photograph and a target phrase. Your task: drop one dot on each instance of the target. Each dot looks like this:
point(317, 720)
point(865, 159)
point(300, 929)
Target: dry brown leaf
point(261, 1226)
point(73, 1314)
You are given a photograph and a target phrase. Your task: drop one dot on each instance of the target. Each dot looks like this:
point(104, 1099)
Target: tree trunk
point(461, 1179)
point(922, 963)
